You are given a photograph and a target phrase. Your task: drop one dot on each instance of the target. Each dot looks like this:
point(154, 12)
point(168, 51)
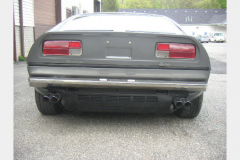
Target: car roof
point(119, 13)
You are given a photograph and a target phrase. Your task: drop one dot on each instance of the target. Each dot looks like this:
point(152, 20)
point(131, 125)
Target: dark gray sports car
point(118, 62)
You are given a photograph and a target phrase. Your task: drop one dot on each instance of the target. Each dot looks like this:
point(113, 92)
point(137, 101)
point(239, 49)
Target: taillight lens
point(174, 50)
point(62, 48)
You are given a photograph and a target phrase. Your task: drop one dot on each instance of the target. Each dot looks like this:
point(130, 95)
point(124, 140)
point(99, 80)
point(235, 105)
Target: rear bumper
point(117, 83)
point(119, 73)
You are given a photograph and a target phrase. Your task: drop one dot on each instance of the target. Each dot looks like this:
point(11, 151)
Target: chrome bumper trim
point(113, 83)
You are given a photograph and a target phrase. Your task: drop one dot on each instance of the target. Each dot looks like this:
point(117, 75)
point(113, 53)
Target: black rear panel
point(118, 100)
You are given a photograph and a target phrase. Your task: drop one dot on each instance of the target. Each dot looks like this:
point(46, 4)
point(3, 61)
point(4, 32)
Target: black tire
point(192, 111)
point(46, 108)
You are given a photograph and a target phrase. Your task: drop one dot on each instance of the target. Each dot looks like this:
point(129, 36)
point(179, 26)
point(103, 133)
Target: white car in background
point(217, 37)
point(203, 39)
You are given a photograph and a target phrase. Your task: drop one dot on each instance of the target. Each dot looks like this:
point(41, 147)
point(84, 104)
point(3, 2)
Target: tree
point(210, 4)
point(110, 6)
point(188, 4)
point(172, 4)
point(223, 3)
point(156, 4)
point(137, 4)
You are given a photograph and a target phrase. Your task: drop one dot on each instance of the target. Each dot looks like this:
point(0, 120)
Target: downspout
point(21, 28)
point(58, 11)
point(14, 38)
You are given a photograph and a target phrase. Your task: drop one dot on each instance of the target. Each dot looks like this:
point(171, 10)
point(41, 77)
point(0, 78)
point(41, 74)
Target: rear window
point(122, 23)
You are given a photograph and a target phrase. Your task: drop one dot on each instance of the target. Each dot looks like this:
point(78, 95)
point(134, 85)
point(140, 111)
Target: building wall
point(28, 38)
point(18, 43)
point(17, 27)
point(28, 25)
point(68, 4)
point(28, 13)
point(221, 29)
point(44, 15)
point(87, 5)
point(16, 13)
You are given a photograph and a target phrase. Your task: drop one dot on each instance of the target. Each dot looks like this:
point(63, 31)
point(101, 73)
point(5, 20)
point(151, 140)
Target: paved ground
point(122, 136)
point(218, 56)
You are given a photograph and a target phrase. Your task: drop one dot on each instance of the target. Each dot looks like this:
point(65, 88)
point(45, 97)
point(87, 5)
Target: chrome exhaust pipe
point(47, 97)
point(52, 97)
point(55, 98)
point(188, 104)
point(178, 103)
point(182, 102)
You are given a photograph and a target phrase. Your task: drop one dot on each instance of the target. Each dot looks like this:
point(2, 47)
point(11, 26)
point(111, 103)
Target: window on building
point(75, 10)
point(69, 12)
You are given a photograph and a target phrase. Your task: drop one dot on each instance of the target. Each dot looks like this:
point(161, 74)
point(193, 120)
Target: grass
point(21, 58)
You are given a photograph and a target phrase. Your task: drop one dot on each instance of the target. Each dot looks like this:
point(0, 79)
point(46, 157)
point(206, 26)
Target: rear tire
point(46, 108)
point(192, 111)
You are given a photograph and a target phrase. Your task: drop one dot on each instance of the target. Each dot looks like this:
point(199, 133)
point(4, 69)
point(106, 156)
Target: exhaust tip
point(188, 104)
point(178, 104)
point(55, 98)
point(46, 98)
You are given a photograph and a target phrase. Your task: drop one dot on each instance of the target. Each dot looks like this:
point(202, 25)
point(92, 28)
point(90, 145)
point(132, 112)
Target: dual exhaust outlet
point(52, 97)
point(181, 102)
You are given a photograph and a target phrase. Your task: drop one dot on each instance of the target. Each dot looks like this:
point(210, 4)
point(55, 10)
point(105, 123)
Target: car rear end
point(112, 70)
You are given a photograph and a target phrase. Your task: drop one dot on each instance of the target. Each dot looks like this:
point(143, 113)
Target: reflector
point(75, 44)
point(162, 46)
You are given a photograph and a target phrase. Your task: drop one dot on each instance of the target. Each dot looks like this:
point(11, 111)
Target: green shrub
point(21, 58)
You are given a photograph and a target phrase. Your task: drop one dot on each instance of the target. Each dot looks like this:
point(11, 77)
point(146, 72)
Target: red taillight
point(173, 50)
point(75, 44)
point(162, 46)
point(62, 48)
